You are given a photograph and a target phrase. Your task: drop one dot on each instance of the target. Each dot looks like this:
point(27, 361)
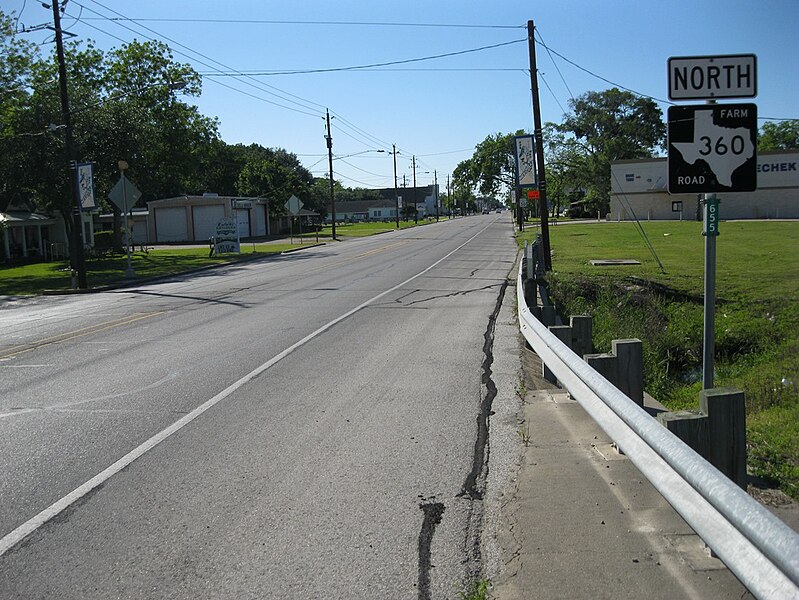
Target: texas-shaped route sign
point(712, 148)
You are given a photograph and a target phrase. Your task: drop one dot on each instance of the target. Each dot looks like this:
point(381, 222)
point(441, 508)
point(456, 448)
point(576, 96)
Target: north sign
point(712, 77)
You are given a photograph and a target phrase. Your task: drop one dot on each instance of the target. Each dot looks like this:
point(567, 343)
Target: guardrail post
point(630, 366)
point(624, 368)
point(691, 426)
point(548, 316)
point(726, 412)
point(564, 334)
point(582, 332)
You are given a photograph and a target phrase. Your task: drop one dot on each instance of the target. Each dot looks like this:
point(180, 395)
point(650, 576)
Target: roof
point(199, 200)
point(26, 218)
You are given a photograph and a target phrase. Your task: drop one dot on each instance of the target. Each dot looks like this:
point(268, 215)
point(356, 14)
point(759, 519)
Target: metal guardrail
point(759, 548)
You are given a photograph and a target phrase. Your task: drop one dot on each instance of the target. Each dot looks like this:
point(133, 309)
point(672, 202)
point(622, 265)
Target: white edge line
point(28, 527)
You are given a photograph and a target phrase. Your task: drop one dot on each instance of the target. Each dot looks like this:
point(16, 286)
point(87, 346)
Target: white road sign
point(709, 77)
point(124, 194)
point(293, 205)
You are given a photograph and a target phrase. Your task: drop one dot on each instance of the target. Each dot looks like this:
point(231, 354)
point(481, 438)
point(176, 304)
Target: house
point(194, 218)
point(385, 208)
point(26, 233)
point(140, 221)
point(639, 188)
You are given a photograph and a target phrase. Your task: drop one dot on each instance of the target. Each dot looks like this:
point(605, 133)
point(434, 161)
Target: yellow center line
point(78, 333)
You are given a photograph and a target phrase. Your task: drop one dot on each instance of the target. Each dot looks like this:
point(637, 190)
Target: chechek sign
point(711, 77)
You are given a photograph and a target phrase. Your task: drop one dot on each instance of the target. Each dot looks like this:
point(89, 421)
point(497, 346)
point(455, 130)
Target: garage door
point(170, 224)
point(243, 218)
point(205, 220)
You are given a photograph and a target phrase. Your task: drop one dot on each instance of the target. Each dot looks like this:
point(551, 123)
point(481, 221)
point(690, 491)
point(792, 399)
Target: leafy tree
point(491, 167)
point(779, 135)
point(275, 174)
point(607, 126)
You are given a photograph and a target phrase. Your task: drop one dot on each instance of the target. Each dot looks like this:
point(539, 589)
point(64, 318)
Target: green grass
point(478, 590)
point(757, 317)
point(37, 277)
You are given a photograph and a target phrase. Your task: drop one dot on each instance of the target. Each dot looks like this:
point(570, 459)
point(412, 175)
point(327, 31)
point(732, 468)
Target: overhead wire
point(343, 23)
point(563, 79)
point(240, 74)
point(546, 83)
point(304, 104)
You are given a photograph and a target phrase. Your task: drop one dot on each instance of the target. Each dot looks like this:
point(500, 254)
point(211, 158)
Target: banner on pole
point(524, 150)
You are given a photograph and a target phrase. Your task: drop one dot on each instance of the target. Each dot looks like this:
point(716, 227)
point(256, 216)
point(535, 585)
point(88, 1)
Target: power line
point(470, 149)
point(538, 32)
point(230, 87)
point(551, 92)
point(258, 84)
point(394, 62)
point(613, 83)
point(333, 23)
point(262, 73)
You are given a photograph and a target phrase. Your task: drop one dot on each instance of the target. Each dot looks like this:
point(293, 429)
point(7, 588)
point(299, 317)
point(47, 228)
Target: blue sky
point(435, 109)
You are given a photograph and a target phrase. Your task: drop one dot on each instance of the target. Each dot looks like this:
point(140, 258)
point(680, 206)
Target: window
point(676, 206)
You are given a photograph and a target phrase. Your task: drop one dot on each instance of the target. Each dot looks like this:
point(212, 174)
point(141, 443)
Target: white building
point(194, 218)
point(639, 188)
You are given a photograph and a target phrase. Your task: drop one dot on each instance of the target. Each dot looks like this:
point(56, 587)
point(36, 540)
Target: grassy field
point(757, 317)
point(37, 277)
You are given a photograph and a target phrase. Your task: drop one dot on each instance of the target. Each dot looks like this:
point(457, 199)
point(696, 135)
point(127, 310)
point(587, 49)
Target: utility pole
point(449, 197)
point(396, 194)
point(415, 213)
point(329, 139)
point(435, 182)
point(539, 149)
point(76, 255)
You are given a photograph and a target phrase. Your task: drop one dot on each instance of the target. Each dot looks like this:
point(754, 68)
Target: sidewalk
point(578, 520)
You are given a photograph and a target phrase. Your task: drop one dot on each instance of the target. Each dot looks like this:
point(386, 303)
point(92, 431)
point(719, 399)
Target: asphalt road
point(308, 426)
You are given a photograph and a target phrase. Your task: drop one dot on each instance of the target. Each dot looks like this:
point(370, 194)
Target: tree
point(15, 80)
point(275, 174)
point(779, 135)
point(607, 126)
point(490, 170)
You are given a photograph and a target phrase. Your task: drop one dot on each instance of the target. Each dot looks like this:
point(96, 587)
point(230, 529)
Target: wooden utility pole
point(76, 254)
point(415, 214)
point(396, 194)
point(329, 139)
point(539, 149)
point(435, 183)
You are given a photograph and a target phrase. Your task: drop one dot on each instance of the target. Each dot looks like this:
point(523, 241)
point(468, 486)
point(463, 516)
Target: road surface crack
point(433, 511)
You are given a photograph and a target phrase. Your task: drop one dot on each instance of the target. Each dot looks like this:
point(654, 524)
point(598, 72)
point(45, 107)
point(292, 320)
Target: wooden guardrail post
point(623, 367)
point(726, 413)
point(582, 332)
point(690, 426)
point(564, 334)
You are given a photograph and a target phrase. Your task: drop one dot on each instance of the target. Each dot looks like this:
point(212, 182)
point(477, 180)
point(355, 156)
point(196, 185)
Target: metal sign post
point(129, 272)
point(711, 231)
